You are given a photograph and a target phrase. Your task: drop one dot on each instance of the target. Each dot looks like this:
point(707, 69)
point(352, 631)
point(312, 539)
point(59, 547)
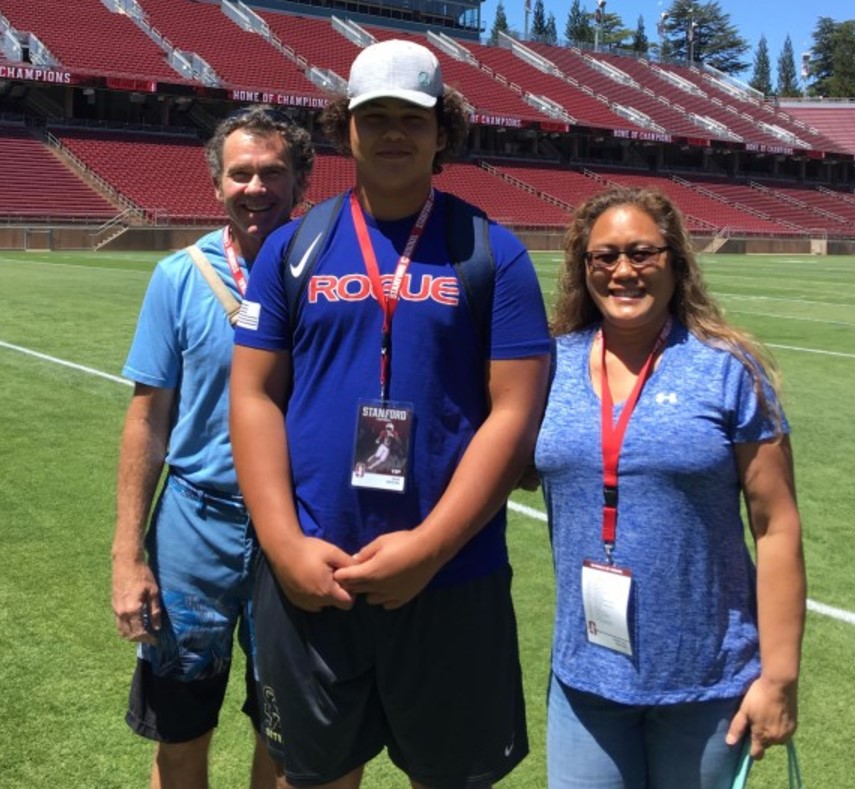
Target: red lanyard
point(234, 266)
point(388, 301)
point(612, 436)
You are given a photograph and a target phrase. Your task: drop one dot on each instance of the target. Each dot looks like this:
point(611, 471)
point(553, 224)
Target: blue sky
point(752, 18)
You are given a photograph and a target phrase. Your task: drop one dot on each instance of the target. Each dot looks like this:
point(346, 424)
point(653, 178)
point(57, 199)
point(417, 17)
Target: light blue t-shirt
point(184, 341)
point(693, 619)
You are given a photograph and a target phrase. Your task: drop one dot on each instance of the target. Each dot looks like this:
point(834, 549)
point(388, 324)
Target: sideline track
point(839, 614)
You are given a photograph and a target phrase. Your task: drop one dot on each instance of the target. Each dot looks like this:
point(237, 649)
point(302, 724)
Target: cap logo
point(424, 79)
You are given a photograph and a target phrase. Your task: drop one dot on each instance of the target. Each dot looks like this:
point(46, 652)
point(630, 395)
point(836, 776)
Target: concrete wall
point(71, 237)
point(164, 239)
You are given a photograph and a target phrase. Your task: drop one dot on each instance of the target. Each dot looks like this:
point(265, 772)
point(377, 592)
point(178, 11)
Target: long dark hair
point(691, 302)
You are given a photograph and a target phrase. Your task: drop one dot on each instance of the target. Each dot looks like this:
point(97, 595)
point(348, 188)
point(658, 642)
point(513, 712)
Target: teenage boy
point(383, 609)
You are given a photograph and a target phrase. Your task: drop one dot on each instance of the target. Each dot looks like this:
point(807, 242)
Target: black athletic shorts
point(437, 682)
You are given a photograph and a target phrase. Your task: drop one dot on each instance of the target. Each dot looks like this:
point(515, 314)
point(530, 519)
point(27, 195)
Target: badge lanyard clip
point(610, 497)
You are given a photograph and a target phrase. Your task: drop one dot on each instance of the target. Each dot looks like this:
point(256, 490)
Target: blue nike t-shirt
point(438, 366)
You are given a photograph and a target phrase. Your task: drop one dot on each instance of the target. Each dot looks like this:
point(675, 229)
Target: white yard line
point(742, 297)
point(789, 317)
point(56, 264)
point(530, 512)
point(811, 350)
point(841, 614)
point(53, 359)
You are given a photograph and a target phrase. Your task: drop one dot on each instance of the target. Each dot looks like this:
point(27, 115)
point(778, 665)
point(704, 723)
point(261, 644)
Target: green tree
point(821, 60)
point(538, 22)
point(842, 82)
point(705, 32)
point(613, 32)
point(551, 34)
point(761, 77)
point(500, 25)
point(788, 79)
point(640, 44)
point(832, 61)
point(578, 29)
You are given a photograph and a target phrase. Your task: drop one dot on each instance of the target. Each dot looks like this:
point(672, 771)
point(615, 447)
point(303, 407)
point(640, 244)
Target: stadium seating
point(37, 185)
point(487, 91)
point(240, 58)
point(784, 202)
point(836, 120)
point(669, 105)
point(332, 173)
point(838, 202)
point(166, 176)
point(585, 108)
point(701, 210)
point(568, 186)
point(85, 36)
point(169, 180)
point(504, 201)
point(314, 39)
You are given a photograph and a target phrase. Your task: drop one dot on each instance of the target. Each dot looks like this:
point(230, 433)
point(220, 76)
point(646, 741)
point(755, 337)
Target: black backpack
point(467, 239)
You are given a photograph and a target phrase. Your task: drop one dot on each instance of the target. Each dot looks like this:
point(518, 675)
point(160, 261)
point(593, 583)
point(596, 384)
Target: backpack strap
point(468, 242)
point(303, 250)
point(230, 304)
point(467, 239)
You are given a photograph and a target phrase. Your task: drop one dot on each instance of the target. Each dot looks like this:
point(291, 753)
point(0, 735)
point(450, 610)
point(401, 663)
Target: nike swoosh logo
point(296, 270)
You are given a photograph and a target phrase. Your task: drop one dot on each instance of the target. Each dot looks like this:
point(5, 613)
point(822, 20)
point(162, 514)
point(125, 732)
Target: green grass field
point(64, 672)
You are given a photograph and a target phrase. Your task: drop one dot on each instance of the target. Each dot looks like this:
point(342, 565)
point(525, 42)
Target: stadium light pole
point(660, 28)
point(691, 34)
point(599, 19)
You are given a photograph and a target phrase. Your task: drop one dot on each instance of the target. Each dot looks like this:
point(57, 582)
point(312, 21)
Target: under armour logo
point(670, 397)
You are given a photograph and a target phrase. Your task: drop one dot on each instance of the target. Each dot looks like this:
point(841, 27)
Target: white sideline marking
point(723, 295)
point(531, 512)
point(58, 264)
point(64, 363)
point(812, 350)
point(834, 613)
point(789, 317)
point(841, 614)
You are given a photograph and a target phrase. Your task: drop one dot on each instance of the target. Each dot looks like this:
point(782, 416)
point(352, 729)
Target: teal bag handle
point(794, 773)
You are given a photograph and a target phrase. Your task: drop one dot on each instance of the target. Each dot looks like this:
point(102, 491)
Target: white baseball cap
point(395, 69)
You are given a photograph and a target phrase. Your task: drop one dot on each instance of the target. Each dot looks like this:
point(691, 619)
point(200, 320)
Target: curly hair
point(451, 113)
point(691, 302)
point(264, 119)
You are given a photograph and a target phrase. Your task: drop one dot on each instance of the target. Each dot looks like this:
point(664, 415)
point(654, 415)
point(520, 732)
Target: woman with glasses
point(671, 648)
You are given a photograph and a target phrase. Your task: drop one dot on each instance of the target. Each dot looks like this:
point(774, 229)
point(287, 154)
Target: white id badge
point(605, 595)
point(382, 447)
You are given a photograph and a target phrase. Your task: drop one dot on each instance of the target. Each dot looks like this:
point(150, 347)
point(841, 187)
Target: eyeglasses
point(637, 257)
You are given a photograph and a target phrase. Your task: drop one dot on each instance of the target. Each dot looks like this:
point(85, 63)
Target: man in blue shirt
point(182, 605)
point(383, 612)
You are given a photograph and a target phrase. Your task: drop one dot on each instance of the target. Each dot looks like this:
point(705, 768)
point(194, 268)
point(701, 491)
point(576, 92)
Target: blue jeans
point(593, 742)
